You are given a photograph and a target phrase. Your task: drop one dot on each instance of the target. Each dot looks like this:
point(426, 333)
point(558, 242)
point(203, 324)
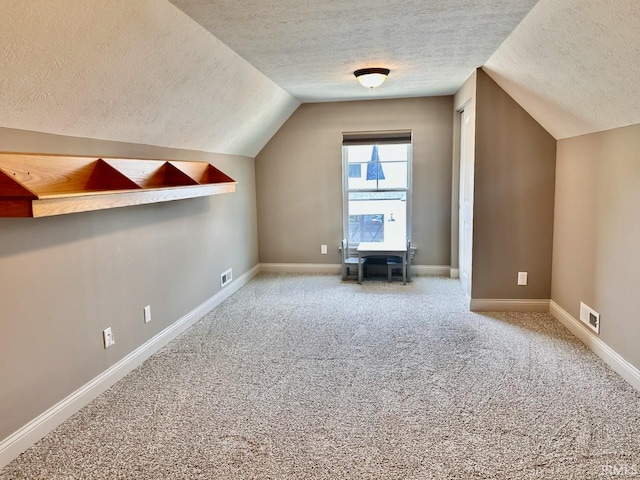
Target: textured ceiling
point(574, 65)
point(134, 71)
point(145, 72)
point(312, 48)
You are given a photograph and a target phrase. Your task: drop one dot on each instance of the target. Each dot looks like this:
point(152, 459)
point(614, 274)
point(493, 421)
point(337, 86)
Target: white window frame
point(346, 190)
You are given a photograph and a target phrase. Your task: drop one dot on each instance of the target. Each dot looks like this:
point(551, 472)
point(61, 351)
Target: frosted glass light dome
point(371, 77)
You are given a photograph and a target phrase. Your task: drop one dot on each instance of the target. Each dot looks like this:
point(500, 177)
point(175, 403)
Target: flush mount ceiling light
point(371, 77)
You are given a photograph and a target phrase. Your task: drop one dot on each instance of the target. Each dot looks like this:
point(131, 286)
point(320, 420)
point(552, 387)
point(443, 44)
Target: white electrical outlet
point(147, 314)
point(107, 337)
point(522, 278)
point(226, 277)
point(590, 317)
point(323, 249)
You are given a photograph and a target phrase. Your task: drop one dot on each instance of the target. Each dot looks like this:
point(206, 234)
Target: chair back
point(345, 249)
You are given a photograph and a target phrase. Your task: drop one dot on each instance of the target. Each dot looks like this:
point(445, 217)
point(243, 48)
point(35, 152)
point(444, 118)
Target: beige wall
point(596, 248)
point(513, 201)
point(64, 279)
point(299, 177)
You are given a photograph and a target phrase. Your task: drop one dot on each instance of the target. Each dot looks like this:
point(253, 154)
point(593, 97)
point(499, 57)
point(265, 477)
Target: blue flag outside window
point(374, 168)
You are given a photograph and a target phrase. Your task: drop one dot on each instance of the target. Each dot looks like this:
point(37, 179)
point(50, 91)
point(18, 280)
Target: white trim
point(627, 371)
point(336, 268)
point(24, 437)
point(301, 268)
point(509, 305)
point(454, 272)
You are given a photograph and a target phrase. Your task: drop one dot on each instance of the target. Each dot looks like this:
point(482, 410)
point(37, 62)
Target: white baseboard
point(335, 268)
point(23, 438)
point(454, 272)
point(509, 305)
point(627, 371)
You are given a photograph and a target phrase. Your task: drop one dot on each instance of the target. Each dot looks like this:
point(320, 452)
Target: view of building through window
point(377, 185)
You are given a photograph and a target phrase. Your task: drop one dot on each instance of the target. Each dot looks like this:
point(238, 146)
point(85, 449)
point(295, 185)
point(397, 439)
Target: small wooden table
point(382, 249)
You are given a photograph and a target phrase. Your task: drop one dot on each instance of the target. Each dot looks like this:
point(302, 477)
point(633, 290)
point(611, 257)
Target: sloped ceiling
point(135, 71)
point(311, 48)
point(144, 71)
point(574, 65)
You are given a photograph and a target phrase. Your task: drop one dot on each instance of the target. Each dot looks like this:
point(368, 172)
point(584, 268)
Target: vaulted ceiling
point(224, 75)
point(311, 49)
point(574, 65)
point(134, 71)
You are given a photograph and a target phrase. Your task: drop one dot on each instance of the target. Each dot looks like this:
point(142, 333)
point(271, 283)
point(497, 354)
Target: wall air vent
point(590, 317)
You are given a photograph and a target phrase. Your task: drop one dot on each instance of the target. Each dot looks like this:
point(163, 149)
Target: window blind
point(380, 137)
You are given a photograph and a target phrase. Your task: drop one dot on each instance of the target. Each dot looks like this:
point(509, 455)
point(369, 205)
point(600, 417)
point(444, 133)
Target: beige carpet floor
point(308, 377)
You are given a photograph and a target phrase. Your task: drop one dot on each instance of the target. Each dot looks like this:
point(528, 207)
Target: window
point(377, 186)
point(355, 170)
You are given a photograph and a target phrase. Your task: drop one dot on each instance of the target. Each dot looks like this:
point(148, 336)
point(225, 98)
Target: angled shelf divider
point(202, 173)
point(151, 173)
point(45, 185)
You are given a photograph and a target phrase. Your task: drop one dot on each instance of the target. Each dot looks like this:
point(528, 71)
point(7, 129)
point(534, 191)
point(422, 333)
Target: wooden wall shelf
point(45, 185)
